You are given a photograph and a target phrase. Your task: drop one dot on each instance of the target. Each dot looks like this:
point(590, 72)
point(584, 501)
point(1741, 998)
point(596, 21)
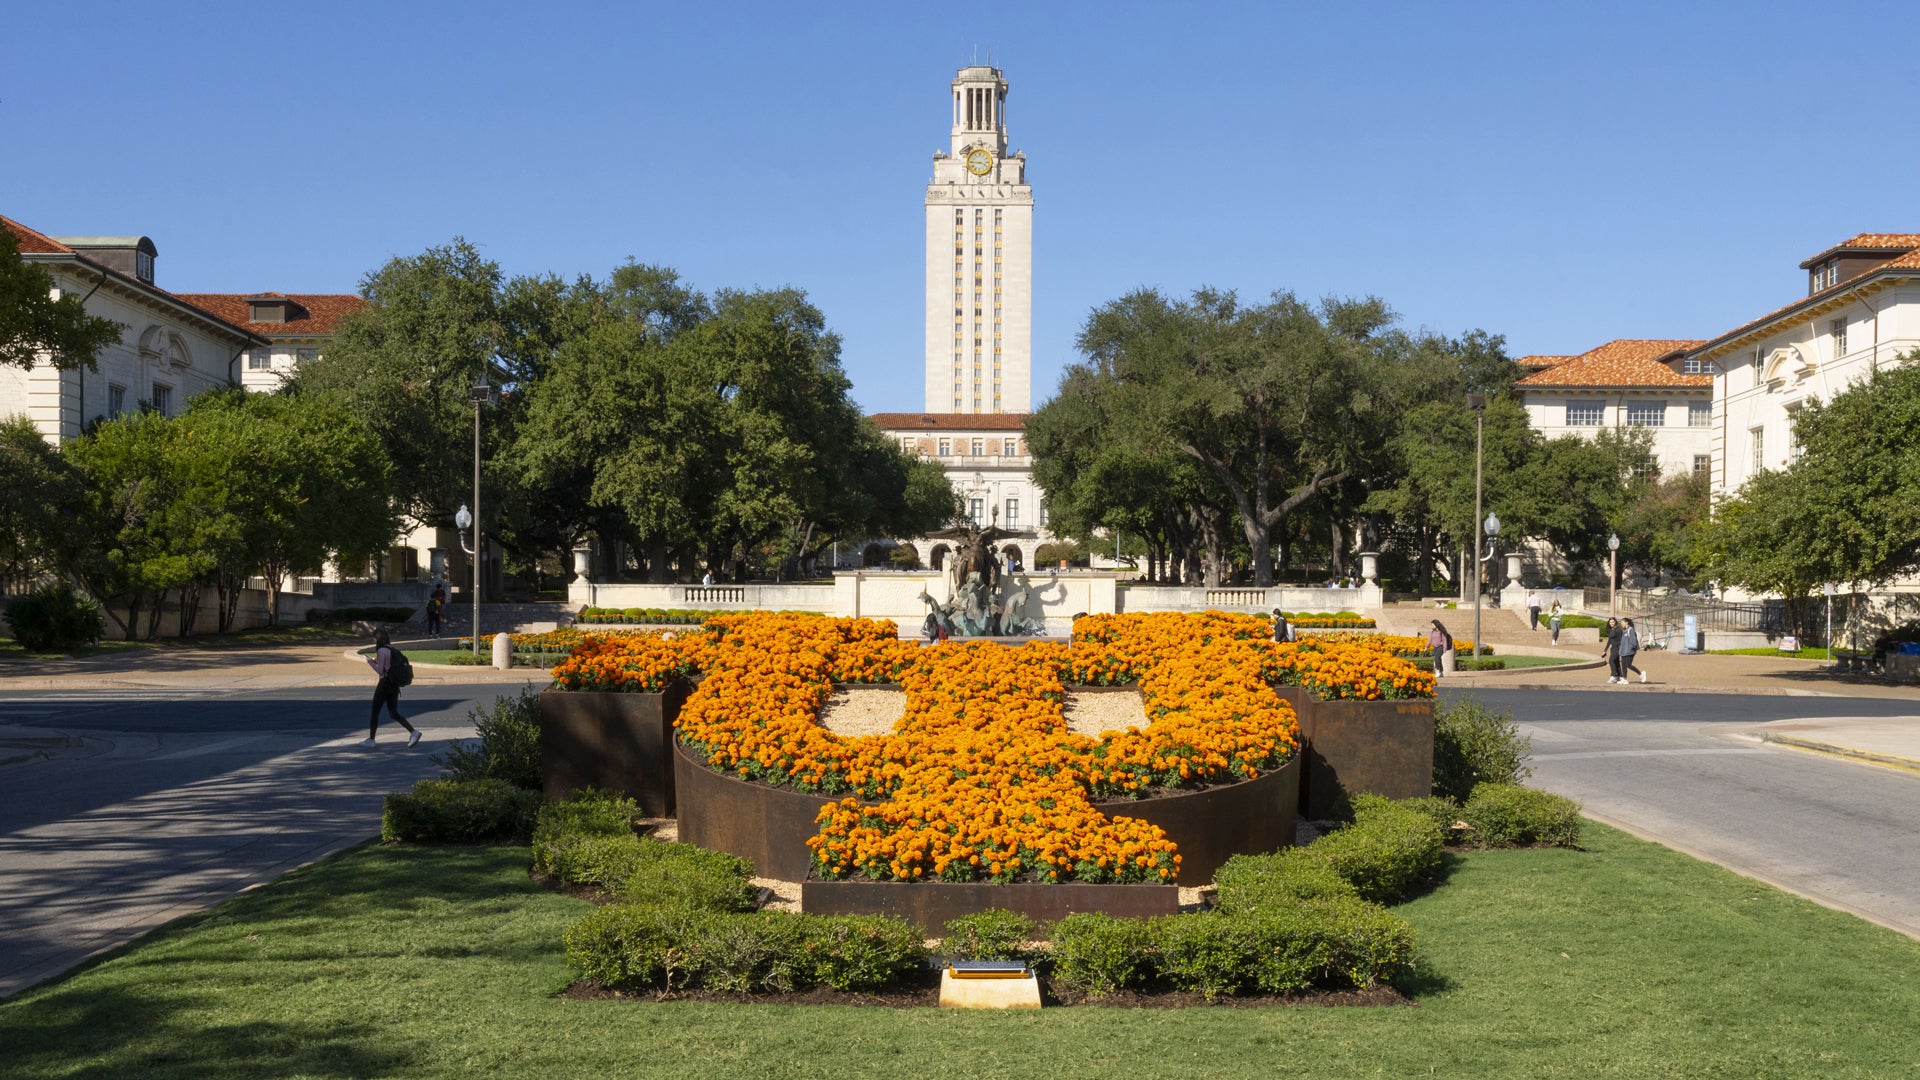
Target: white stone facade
point(169, 351)
point(987, 462)
point(1769, 371)
point(979, 325)
point(1629, 383)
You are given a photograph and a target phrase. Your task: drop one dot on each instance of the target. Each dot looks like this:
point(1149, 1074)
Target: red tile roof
point(1627, 362)
point(905, 421)
point(1812, 305)
point(310, 314)
point(34, 243)
point(1869, 241)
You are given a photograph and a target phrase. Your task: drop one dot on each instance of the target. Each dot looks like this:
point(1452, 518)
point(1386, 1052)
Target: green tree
point(33, 324)
point(42, 505)
point(406, 366)
point(1861, 454)
point(137, 523)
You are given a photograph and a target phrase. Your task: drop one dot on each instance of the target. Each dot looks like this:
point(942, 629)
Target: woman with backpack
point(394, 671)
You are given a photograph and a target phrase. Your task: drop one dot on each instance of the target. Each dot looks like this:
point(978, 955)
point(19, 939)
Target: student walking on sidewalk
point(1610, 649)
point(1629, 645)
point(387, 690)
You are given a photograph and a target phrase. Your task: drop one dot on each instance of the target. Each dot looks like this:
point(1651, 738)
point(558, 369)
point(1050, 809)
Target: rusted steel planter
point(1351, 747)
point(770, 825)
point(767, 824)
point(1214, 824)
point(929, 904)
point(612, 741)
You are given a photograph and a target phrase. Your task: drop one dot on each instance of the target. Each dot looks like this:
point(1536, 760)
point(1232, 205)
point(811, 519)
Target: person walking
point(707, 578)
point(1533, 609)
point(1611, 651)
point(1441, 643)
point(1553, 623)
point(436, 604)
point(387, 690)
point(1282, 629)
point(1629, 645)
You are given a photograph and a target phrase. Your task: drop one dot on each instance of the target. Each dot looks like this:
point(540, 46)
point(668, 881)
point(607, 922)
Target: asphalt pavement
point(122, 807)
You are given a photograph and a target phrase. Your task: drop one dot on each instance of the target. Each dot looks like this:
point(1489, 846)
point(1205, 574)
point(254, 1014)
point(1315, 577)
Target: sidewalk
point(1893, 742)
point(270, 667)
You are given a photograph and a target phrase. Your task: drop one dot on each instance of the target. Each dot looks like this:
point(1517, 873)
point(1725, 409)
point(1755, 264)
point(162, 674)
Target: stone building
point(297, 326)
point(170, 350)
point(1653, 384)
point(1861, 311)
point(979, 322)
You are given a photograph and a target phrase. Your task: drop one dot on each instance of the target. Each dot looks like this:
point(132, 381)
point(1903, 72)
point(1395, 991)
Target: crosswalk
point(41, 706)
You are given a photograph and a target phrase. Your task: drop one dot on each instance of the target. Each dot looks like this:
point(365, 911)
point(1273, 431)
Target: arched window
point(939, 558)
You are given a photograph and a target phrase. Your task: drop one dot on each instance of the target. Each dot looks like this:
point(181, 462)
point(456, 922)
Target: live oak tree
point(33, 324)
point(42, 505)
point(1278, 403)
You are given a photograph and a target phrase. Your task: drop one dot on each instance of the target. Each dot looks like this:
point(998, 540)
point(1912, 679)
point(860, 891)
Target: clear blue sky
point(1562, 174)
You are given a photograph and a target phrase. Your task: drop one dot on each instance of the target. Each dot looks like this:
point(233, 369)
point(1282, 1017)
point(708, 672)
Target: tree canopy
point(33, 323)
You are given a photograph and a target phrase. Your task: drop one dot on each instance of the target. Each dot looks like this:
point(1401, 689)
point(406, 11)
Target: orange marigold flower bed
point(981, 780)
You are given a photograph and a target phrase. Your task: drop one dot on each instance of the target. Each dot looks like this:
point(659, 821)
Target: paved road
point(1686, 770)
point(122, 809)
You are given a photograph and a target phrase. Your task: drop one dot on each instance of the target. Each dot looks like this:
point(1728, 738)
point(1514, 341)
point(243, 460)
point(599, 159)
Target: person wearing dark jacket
point(1612, 652)
point(386, 691)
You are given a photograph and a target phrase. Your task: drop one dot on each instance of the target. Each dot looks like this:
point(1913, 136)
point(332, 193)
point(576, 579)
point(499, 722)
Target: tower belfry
point(979, 259)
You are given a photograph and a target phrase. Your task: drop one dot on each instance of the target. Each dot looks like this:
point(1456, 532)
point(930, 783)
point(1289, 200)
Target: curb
point(1890, 761)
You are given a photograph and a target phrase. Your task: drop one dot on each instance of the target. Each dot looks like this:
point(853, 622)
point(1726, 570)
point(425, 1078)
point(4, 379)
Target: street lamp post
point(1613, 572)
point(1478, 403)
point(1492, 527)
point(480, 395)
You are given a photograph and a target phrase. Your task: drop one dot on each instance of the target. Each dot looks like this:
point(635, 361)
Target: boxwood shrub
point(993, 934)
point(671, 947)
point(1508, 815)
point(459, 811)
point(688, 876)
point(1473, 744)
point(586, 813)
point(1387, 852)
point(1096, 954)
point(1250, 883)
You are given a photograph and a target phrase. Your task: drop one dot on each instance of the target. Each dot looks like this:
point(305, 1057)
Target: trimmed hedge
point(1508, 815)
point(1250, 883)
point(669, 947)
point(587, 813)
point(596, 616)
point(993, 934)
point(1096, 954)
point(1332, 943)
point(459, 811)
point(1387, 851)
point(689, 876)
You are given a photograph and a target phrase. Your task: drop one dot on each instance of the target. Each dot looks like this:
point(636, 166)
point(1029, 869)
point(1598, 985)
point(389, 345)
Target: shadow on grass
point(63, 1036)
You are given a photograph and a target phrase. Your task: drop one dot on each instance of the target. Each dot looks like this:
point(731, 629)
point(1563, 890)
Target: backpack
point(399, 668)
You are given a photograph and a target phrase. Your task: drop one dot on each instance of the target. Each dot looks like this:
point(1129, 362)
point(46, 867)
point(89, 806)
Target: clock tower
point(979, 259)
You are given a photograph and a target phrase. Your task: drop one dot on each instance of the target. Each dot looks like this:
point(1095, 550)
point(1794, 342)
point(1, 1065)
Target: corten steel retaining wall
point(612, 741)
point(1377, 747)
point(770, 825)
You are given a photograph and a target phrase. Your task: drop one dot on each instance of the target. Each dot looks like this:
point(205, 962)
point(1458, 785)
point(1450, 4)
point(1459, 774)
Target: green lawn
point(292, 634)
point(1808, 652)
point(1625, 960)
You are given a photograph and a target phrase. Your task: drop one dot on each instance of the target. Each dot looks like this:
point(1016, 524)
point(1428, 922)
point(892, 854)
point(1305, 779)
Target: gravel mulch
point(1094, 713)
point(852, 713)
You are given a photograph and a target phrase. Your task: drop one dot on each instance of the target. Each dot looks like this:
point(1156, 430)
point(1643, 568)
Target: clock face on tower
point(980, 162)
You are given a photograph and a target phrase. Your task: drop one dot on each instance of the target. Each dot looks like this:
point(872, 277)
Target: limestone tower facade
point(979, 259)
